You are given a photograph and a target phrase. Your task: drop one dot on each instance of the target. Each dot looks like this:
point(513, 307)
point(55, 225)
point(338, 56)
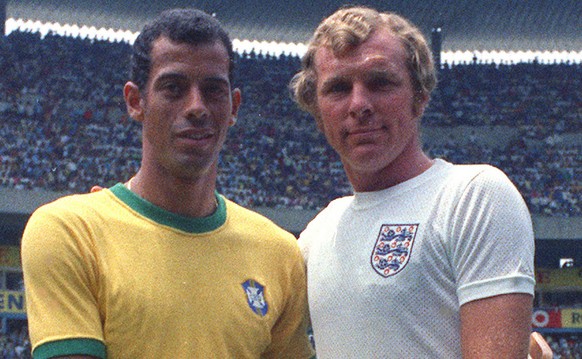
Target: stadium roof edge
point(294, 49)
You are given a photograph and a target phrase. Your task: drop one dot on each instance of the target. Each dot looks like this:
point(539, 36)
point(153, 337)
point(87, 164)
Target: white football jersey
point(388, 270)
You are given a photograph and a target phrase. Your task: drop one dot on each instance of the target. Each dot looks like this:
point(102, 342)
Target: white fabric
point(472, 238)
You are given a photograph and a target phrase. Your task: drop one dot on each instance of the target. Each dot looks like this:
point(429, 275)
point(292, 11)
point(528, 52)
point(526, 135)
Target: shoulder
point(483, 196)
point(260, 237)
point(327, 215)
point(74, 204)
point(72, 215)
point(481, 188)
point(62, 232)
point(478, 178)
point(494, 182)
point(248, 220)
point(239, 212)
point(478, 173)
point(322, 223)
point(477, 195)
point(335, 207)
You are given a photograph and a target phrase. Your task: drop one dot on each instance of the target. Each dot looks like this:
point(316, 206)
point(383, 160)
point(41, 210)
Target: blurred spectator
point(15, 344)
point(565, 346)
point(64, 126)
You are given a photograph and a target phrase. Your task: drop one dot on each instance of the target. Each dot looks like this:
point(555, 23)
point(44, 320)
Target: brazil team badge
point(256, 297)
point(392, 248)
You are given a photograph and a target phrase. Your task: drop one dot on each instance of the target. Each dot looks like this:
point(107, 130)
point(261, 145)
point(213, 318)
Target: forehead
point(381, 51)
point(205, 58)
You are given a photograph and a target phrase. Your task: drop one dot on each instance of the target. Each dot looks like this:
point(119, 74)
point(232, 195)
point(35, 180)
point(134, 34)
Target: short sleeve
point(61, 285)
point(493, 241)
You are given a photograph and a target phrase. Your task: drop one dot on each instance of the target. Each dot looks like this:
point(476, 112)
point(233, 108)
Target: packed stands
point(64, 126)
point(15, 344)
point(565, 346)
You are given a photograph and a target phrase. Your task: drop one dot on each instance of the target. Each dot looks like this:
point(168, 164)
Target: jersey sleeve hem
point(517, 283)
point(76, 346)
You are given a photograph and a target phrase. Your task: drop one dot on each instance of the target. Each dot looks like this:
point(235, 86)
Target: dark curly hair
point(189, 26)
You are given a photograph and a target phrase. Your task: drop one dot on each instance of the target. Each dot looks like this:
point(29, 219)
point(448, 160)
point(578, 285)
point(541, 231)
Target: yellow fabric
point(96, 268)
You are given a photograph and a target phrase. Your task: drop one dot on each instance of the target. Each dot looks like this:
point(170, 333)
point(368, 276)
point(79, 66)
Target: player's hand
point(95, 189)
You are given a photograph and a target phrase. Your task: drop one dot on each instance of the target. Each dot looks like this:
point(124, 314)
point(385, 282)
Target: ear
point(133, 101)
point(317, 116)
point(420, 103)
point(236, 101)
point(319, 123)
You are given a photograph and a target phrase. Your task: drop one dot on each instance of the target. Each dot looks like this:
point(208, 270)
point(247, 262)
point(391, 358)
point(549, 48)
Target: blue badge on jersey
point(392, 249)
point(256, 297)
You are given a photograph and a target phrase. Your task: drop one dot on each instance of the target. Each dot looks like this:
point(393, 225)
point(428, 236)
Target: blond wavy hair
point(345, 30)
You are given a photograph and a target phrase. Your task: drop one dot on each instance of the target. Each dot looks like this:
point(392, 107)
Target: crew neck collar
point(170, 219)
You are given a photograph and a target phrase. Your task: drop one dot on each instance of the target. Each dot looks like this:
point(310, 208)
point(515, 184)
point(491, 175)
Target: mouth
point(364, 131)
point(194, 137)
point(364, 134)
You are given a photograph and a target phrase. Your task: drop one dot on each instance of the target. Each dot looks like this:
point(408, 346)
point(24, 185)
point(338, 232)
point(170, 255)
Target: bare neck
point(192, 197)
point(413, 163)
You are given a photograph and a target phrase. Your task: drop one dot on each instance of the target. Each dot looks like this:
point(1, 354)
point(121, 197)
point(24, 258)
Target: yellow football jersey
point(111, 275)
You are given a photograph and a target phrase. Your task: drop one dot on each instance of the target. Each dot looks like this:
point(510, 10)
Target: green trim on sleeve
point(78, 346)
point(160, 215)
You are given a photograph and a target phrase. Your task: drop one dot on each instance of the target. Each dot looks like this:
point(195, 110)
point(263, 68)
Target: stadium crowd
point(565, 346)
point(14, 344)
point(64, 126)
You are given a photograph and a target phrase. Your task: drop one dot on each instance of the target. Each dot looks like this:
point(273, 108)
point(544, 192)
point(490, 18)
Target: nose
point(195, 107)
point(360, 103)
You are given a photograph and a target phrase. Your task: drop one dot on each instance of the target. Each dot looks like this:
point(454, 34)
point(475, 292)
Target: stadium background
point(467, 26)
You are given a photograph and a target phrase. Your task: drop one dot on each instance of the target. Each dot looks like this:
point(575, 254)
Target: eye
point(172, 89)
point(215, 91)
point(337, 87)
point(379, 83)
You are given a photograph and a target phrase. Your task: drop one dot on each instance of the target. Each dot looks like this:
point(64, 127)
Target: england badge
point(256, 297)
point(392, 248)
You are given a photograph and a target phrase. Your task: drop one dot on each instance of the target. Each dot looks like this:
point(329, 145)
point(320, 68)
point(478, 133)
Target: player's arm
point(493, 264)
point(60, 284)
point(497, 327)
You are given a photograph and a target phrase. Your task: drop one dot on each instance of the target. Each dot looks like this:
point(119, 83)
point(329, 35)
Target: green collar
point(162, 216)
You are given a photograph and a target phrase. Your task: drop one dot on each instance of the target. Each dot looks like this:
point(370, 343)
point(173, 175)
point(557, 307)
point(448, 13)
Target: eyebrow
point(219, 79)
point(180, 76)
point(374, 73)
point(384, 73)
point(169, 76)
point(333, 80)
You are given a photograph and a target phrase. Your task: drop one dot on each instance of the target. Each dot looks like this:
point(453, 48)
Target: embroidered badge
point(392, 249)
point(256, 297)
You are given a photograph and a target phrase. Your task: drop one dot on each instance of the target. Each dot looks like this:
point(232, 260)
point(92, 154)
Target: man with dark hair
point(179, 26)
point(163, 266)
